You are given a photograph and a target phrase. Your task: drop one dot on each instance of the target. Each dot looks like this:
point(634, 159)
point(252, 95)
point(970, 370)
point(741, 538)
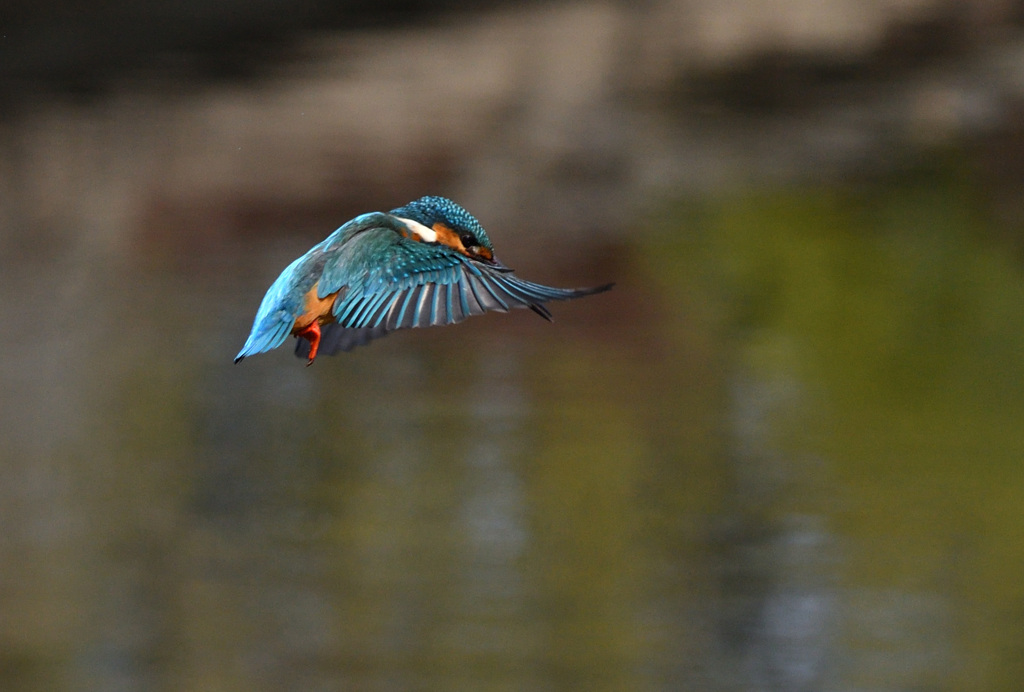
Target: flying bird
point(425, 264)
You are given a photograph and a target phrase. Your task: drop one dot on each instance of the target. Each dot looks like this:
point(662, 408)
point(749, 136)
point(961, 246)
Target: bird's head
point(439, 220)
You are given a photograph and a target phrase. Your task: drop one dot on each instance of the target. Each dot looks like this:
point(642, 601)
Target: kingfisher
point(427, 263)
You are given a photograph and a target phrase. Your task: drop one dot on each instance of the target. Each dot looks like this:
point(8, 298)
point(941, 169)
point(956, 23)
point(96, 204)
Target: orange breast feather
point(315, 308)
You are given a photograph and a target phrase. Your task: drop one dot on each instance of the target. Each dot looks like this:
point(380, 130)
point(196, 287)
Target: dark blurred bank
point(783, 454)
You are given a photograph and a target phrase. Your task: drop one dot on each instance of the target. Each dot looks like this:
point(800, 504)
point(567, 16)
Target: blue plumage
point(427, 263)
point(276, 315)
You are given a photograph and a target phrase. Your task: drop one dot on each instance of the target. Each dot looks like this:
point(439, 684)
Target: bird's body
point(427, 263)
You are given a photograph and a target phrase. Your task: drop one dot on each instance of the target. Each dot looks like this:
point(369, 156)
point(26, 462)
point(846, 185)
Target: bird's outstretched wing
point(392, 282)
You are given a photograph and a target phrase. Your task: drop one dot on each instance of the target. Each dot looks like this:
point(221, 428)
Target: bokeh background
point(785, 453)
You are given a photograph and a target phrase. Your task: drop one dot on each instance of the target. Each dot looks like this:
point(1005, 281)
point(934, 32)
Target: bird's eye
point(468, 240)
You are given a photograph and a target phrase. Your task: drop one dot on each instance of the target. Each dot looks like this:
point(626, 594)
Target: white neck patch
point(427, 235)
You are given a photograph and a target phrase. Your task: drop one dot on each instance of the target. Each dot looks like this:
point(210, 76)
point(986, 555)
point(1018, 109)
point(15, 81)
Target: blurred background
point(785, 453)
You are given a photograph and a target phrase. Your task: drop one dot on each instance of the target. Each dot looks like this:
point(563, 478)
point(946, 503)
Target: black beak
point(495, 263)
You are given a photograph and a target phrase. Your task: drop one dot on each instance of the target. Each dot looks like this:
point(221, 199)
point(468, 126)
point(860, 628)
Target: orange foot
point(312, 335)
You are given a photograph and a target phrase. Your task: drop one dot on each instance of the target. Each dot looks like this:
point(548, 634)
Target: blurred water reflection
point(798, 472)
point(783, 454)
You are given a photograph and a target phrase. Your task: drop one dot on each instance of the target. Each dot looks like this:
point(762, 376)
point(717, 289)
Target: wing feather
point(468, 294)
point(367, 317)
point(426, 298)
point(490, 300)
point(399, 322)
point(449, 307)
point(463, 298)
point(384, 310)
